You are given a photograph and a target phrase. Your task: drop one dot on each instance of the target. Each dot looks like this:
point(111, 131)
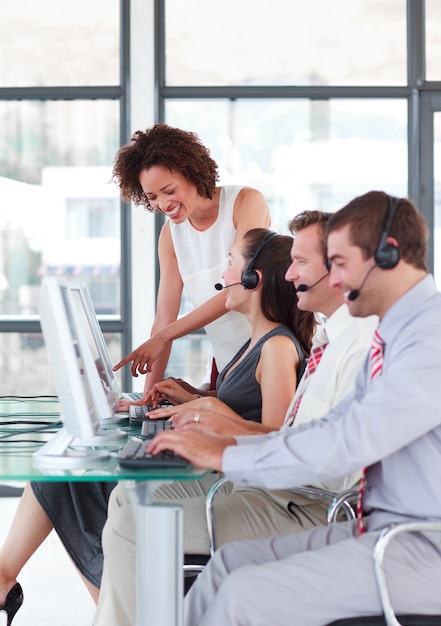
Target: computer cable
point(29, 414)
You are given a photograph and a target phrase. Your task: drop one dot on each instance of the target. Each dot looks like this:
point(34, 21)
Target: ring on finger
point(196, 418)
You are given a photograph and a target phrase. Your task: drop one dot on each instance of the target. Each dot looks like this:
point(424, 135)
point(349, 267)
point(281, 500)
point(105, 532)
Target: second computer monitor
point(97, 345)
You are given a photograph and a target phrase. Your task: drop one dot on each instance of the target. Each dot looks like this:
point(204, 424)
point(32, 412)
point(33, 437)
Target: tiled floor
point(54, 593)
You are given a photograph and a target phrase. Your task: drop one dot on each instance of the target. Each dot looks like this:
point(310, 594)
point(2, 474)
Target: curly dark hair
point(279, 298)
point(175, 149)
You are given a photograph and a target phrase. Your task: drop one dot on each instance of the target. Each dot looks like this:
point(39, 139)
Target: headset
point(387, 254)
point(250, 278)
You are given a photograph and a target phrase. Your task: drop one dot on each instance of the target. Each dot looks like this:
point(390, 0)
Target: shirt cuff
point(238, 461)
point(244, 440)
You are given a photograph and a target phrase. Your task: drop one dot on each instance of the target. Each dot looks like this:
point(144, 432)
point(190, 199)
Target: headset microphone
point(308, 287)
point(219, 286)
point(353, 295)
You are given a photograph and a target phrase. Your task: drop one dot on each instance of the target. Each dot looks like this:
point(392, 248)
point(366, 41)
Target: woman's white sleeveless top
point(202, 258)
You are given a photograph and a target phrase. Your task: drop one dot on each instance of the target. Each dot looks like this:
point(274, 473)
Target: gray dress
point(78, 510)
point(241, 391)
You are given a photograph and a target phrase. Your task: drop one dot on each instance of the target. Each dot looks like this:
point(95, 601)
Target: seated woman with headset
point(233, 395)
point(258, 384)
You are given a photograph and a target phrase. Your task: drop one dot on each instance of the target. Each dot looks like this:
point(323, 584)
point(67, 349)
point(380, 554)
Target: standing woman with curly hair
point(169, 170)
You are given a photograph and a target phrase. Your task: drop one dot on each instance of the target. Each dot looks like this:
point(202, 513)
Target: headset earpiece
point(250, 278)
point(387, 254)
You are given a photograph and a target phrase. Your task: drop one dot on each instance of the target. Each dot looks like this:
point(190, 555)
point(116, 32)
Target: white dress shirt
point(349, 339)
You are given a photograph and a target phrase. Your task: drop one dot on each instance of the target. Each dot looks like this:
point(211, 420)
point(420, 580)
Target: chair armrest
point(384, 538)
point(209, 511)
point(337, 501)
point(315, 492)
point(342, 500)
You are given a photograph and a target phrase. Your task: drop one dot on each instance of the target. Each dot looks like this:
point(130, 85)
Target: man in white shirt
point(254, 512)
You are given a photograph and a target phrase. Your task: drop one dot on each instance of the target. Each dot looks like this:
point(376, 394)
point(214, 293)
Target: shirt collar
point(398, 314)
point(337, 322)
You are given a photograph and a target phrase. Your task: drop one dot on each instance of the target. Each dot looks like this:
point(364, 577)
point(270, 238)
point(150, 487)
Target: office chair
point(388, 618)
point(193, 566)
point(337, 502)
point(341, 502)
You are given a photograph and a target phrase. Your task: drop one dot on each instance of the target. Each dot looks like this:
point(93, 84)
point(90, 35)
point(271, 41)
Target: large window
point(302, 153)
point(61, 114)
point(433, 41)
point(42, 45)
point(285, 42)
point(311, 102)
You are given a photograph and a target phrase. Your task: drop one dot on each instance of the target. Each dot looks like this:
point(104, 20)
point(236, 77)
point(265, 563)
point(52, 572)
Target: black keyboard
point(150, 428)
point(137, 414)
point(134, 456)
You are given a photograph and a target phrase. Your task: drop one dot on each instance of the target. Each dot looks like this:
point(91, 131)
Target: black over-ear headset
point(387, 254)
point(250, 278)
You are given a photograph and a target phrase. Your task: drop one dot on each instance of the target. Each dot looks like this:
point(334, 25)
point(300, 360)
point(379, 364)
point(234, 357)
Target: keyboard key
point(150, 428)
point(138, 413)
point(135, 456)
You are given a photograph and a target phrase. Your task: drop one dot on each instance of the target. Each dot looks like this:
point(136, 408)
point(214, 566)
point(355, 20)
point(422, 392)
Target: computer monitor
point(83, 401)
point(99, 349)
point(94, 336)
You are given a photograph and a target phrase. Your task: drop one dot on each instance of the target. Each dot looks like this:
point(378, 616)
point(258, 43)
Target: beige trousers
point(249, 513)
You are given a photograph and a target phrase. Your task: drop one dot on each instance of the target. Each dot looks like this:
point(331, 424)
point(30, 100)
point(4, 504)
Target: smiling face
point(351, 271)
point(308, 267)
point(169, 192)
point(236, 294)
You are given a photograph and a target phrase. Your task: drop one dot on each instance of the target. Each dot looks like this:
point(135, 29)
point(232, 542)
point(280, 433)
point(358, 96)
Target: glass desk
point(159, 526)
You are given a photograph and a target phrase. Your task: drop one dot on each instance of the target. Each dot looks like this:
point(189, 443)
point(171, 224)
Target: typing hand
point(170, 390)
point(201, 450)
point(190, 408)
point(194, 416)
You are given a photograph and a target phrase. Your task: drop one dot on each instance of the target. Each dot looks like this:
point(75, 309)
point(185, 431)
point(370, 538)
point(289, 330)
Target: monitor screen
point(97, 345)
point(83, 403)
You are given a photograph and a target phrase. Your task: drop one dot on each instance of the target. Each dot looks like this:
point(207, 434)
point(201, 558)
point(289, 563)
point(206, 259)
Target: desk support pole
point(159, 558)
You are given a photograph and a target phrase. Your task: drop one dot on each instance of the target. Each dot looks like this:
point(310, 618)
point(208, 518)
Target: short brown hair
point(308, 218)
point(175, 149)
point(366, 217)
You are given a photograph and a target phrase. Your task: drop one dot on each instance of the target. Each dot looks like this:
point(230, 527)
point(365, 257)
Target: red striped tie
point(376, 365)
point(313, 361)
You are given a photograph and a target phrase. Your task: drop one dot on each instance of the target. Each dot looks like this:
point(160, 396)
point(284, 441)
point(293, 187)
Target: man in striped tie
point(390, 425)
